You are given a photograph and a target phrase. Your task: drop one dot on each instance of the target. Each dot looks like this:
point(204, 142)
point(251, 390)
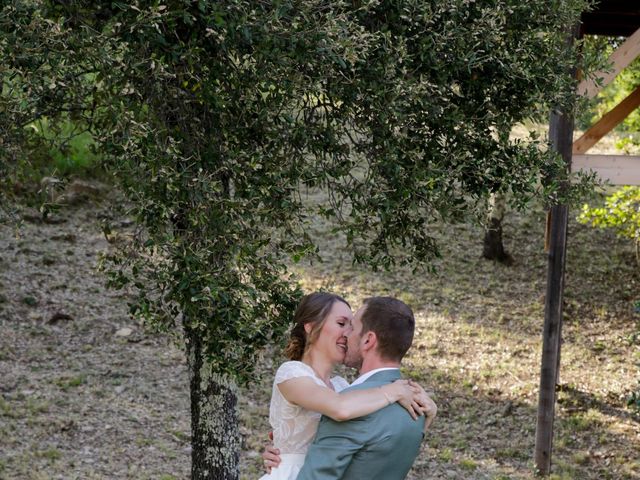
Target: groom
point(384, 444)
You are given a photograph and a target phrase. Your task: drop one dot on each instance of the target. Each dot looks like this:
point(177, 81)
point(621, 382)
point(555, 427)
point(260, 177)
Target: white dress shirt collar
point(364, 376)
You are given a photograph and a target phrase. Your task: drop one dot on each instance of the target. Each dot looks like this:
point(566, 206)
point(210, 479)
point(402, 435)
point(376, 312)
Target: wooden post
point(561, 138)
point(551, 338)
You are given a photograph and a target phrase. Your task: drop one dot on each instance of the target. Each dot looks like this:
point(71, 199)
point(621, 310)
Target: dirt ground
point(87, 393)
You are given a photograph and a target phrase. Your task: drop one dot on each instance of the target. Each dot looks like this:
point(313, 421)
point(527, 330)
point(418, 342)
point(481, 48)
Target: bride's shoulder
point(292, 369)
point(293, 364)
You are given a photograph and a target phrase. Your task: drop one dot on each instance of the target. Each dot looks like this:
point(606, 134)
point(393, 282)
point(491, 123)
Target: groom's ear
point(370, 341)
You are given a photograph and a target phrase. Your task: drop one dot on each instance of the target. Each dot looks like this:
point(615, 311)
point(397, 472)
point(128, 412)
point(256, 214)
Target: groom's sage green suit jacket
point(379, 446)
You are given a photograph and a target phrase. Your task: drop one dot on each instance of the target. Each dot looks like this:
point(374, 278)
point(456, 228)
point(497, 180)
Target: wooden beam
point(607, 123)
point(617, 169)
point(621, 58)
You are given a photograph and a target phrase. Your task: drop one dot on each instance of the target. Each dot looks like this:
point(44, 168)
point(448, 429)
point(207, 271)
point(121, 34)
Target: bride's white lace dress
point(293, 426)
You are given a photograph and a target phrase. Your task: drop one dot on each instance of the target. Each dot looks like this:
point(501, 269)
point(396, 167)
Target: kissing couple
point(324, 428)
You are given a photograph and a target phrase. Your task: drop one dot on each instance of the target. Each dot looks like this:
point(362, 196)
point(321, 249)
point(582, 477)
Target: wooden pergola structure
point(619, 18)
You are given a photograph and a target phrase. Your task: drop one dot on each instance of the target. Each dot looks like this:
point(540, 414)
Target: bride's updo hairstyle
point(314, 308)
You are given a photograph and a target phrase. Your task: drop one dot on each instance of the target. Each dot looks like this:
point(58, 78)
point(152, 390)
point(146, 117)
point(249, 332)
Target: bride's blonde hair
point(313, 308)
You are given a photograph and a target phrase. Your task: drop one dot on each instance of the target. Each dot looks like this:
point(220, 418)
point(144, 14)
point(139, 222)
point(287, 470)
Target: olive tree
point(216, 116)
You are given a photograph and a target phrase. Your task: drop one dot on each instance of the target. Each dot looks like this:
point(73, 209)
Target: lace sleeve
point(293, 369)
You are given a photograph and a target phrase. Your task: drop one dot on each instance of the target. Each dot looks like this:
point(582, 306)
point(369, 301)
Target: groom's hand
point(271, 457)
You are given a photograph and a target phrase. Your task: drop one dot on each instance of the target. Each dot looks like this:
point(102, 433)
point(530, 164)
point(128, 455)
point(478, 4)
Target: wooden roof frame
point(613, 18)
point(610, 18)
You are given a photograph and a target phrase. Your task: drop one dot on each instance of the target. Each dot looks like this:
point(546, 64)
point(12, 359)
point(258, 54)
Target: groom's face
point(354, 353)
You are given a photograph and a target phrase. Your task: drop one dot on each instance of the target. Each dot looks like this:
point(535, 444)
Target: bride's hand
point(404, 393)
point(427, 406)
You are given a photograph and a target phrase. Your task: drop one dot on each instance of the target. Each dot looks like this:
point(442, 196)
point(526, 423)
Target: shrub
point(621, 213)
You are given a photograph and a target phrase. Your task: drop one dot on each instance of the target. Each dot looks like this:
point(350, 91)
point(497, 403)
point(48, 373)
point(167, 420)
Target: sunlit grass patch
point(563, 470)
point(51, 454)
point(515, 452)
point(468, 464)
point(631, 467)
point(446, 455)
point(37, 406)
point(582, 421)
point(580, 458)
point(66, 383)
point(562, 476)
point(7, 409)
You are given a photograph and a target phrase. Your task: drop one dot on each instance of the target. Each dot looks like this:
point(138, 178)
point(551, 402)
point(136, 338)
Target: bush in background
point(620, 212)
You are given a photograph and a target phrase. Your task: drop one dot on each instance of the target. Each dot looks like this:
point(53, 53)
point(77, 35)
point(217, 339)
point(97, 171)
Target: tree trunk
point(493, 248)
point(215, 434)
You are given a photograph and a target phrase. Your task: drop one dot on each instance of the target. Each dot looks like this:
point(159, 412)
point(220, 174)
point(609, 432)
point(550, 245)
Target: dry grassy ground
point(79, 399)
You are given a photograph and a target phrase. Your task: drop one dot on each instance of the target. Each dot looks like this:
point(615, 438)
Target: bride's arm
point(303, 391)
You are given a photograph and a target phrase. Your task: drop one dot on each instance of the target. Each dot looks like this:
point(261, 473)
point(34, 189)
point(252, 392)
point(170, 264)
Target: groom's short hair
point(393, 323)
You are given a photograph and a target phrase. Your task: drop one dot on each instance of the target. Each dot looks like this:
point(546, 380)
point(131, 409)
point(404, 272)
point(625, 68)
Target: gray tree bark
point(493, 246)
point(215, 433)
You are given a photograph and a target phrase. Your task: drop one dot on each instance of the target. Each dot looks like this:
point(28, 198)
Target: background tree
point(493, 245)
point(215, 116)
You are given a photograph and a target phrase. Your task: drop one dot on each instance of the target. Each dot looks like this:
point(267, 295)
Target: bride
point(303, 388)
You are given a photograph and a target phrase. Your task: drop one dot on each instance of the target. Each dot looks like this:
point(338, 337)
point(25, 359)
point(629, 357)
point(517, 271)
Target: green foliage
point(620, 213)
point(71, 149)
point(404, 128)
point(48, 97)
point(215, 116)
